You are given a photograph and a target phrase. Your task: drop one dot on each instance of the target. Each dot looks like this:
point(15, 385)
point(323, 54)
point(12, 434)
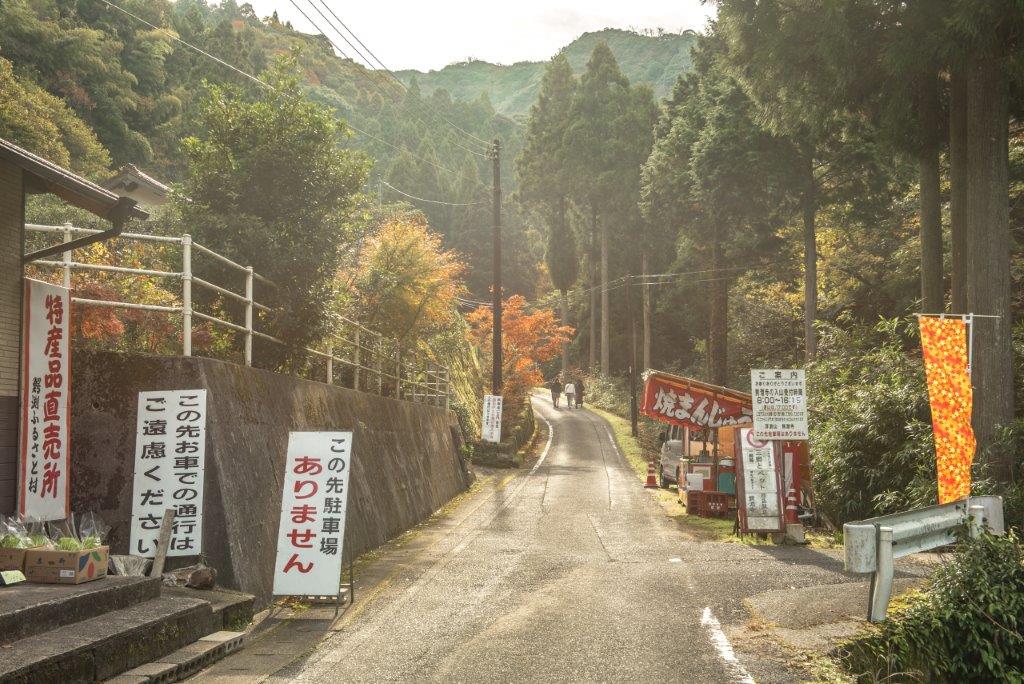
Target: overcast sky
point(428, 34)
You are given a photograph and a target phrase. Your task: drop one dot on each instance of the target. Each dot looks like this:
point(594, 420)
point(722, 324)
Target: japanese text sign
point(44, 487)
point(780, 404)
point(492, 419)
point(170, 455)
point(692, 404)
point(761, 500)
point(312, 531)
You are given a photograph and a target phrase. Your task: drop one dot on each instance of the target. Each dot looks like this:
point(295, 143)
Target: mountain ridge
point(656, 60)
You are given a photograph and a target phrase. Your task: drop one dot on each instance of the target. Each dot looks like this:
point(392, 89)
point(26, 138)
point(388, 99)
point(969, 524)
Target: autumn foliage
point(528, 340)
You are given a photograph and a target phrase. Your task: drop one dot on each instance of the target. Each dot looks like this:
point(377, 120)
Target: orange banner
point(944, 344)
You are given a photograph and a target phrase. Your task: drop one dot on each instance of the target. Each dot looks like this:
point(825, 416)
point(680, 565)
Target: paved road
point(570, 573)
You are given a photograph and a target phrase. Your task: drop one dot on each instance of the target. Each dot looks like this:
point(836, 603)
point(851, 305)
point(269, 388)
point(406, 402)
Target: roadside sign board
point(492, 418)
point(758, 495)
point(780, 403)
point(170, 468)
point(311, 535)
point(45, 473)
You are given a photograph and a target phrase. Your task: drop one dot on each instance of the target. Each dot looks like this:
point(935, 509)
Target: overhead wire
point(431, 201)
point(371, 69)
point(268, 86)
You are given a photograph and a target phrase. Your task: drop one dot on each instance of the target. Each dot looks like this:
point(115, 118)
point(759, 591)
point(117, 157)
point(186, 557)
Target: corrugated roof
point(45, 176)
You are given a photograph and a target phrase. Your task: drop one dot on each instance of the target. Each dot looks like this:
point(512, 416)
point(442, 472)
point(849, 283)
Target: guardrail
point(377, 363)
point(872, 545)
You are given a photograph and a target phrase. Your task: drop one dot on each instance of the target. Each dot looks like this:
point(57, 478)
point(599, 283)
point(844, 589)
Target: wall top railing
point(374, 362)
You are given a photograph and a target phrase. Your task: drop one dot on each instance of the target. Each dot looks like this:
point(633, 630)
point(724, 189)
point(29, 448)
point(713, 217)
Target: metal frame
point(872, 545)
point(369, 354)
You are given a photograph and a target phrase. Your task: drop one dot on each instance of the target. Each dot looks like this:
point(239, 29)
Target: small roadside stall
point(703, 447)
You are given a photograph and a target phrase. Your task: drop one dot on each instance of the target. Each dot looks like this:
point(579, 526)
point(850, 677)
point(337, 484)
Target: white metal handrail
point(418, 379)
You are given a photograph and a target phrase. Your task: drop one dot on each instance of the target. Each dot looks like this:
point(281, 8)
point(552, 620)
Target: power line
point(422, 199)
point(392, 74)
point(366, 77)
point(266, 85)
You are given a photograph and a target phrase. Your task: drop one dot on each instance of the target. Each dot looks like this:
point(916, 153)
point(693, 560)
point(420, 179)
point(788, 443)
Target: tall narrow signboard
point(758, 486)
point(312, 529)
point(45, 473)
point(780, 403)
point(170, 464)
point(492, 418)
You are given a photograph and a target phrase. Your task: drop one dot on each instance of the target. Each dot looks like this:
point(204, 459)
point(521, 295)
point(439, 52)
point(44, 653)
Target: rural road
point(571, 573)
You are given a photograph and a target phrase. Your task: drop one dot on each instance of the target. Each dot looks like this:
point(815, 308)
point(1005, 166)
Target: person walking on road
point(579, 392)
point(556, 390)
point(570, 394)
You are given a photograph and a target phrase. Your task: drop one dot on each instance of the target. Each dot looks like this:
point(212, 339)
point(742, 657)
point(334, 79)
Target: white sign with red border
point(312, 529)
point(760, 497)
point(44, 489)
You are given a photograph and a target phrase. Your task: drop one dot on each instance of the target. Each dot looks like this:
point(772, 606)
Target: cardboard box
point(12, 559)
point(49, 566)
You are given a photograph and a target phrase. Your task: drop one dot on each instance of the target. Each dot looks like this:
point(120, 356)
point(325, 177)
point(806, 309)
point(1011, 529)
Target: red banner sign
point(694, 404)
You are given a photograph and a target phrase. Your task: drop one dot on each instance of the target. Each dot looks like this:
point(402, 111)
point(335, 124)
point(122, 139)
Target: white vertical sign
point(780, 403)
point(312, 530)
point(492, 419)
point(170, 456)
point(761, 498)
point(45, 476)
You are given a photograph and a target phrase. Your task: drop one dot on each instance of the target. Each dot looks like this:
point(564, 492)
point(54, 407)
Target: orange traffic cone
point(652, 480)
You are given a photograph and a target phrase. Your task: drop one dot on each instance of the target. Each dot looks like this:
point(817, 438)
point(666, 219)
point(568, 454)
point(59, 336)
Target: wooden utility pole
point(633, 412)
point(496, 308)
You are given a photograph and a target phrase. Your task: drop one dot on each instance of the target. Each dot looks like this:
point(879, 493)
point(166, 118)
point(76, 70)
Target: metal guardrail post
point(881, 580)
point(447, 389)
point(186, 295)
point(355, 372)
point(330, 363)
point(248, 315)
point(66, 257)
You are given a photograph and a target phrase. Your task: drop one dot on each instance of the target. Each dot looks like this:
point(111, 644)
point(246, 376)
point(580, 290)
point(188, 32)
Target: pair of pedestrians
point(573, 391)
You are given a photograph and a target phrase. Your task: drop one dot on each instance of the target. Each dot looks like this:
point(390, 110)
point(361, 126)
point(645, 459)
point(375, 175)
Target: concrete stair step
point(28, 609)
point(185, 662)
point(232, 610)
point(101, 647)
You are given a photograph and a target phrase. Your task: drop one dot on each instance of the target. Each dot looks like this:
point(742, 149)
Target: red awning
point(694, 404)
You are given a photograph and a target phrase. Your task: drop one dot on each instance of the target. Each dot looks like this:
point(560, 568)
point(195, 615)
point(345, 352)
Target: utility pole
point(633, 411)
point(496, 308)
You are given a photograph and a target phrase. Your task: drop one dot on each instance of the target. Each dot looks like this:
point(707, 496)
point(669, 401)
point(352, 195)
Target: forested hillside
point(93, 88)
point(655, 60)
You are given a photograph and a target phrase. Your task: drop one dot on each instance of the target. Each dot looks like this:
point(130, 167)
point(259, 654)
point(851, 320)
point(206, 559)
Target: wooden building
point(21, 174)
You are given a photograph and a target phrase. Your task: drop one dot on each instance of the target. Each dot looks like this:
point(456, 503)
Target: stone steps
point(98, 648)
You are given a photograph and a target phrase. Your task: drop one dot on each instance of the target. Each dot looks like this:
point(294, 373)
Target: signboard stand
point(758, 486)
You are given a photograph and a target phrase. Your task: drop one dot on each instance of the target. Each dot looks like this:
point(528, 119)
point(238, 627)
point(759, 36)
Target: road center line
point(723, 647)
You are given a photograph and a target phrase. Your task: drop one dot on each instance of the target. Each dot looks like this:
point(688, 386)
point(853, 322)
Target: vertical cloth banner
point(44, 489)
point(944, 345)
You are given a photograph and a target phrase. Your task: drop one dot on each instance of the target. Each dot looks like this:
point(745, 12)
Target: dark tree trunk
point(932, 290)
point(592, 265)
point(605, 322)
point(958, 189)
point(988, 254)
point(718, 319)
point(564, 306)
point(647, 312)
point(809, 211)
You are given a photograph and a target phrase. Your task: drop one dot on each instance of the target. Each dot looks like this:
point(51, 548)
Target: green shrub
point(871, 436)
point(965, 628)
point(608, 393)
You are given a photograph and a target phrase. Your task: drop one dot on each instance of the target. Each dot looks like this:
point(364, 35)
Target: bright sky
point(428, 34)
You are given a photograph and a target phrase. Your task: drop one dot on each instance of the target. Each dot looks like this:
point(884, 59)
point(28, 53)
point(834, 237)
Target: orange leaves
point(944, 345)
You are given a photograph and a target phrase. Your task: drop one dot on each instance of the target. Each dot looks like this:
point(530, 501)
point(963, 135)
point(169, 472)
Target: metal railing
point(872, 545)
point(377, 363)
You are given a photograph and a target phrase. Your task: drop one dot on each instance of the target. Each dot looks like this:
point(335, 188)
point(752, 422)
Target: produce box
point(50, 566)
point(12, 559)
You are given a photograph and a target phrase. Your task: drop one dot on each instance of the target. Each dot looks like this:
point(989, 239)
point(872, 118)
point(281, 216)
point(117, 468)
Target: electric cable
point(423, 199)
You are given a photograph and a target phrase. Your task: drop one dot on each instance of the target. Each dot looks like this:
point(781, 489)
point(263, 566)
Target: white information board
point(312, 529)
point(780, 403)
point(761, 499)
point(492, 418)
point(170, 466)
point(44, 470)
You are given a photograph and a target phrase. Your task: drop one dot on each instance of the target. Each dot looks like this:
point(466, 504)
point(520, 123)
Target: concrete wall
point(11, 248)
point(405, 459)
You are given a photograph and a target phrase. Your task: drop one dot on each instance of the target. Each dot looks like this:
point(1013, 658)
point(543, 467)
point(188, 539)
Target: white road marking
point(724, 648)
point(547, 447)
